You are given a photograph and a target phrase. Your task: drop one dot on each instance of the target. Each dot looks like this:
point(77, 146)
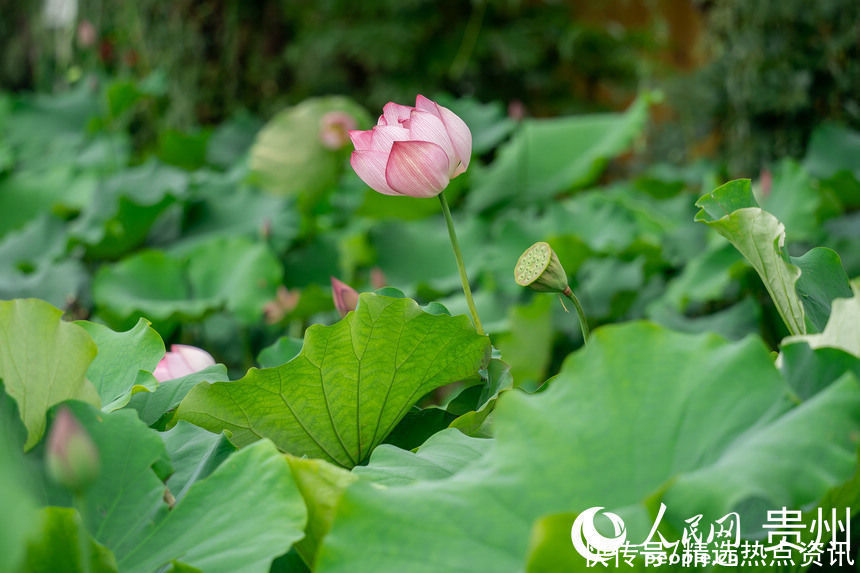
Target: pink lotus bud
point(86, 33)
point(412, 151)
point(72, 457)
point(335, 127)
point(516, 110)
point(766, 182)
point(377, 278)
point(345, 297)
point(182, 360)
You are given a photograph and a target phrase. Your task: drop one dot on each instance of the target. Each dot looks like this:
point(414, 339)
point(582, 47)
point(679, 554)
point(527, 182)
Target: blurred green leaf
point(184, 150)
point(288, 156)
point(43, 361)
point(547, 156)
point(794, 200)
point(63, 545)
point(392, 352)
point(809, 370)
point(527, 345)
point(833, 148)
point(283, 350)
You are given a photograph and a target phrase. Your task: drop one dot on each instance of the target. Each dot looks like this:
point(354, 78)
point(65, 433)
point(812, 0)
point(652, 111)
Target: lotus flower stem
point(583, 324)
point(464, 278)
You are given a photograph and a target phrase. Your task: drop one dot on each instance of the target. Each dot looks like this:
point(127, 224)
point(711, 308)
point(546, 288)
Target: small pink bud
point(86, 33)
point(335, 127)
point(766, 182)
point(182, 360)
point(345, 297)
point(412, 151)
point(516, 110)
point(72, 458)
point(377, 278)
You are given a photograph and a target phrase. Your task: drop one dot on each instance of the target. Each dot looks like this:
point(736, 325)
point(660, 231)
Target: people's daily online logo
point(585, 536)
point(787, 538)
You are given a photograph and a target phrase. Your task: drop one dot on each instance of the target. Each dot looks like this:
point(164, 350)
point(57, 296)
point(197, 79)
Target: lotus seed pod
point(539, 268)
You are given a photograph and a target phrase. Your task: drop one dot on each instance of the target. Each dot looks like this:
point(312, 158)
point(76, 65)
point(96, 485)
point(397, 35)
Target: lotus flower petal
point(424, 126)
point(182, 360)
point(458, 131)
point(394, 113)
point(370, 167)
point(417, 168)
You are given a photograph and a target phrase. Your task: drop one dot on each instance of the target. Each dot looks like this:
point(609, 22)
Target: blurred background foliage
point(746, 80)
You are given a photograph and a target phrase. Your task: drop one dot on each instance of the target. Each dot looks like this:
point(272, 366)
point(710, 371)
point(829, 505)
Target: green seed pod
point(539, 268)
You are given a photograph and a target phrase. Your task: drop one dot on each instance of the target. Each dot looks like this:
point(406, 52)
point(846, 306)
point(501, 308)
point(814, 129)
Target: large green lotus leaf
point(732, 211)
point(350, 385)
point(124, 360)
point(237, 520)
point(154, 407)
point(640, 411)
point(235, 273)
point(128, 494)
point(239, 273)
point(822, 280)
point(43, 361)
point(63, 545)
point(321, 485)
point(288, 156)
point(151, 284)
point(842, 330)
point(194, 454)
point(547, 156)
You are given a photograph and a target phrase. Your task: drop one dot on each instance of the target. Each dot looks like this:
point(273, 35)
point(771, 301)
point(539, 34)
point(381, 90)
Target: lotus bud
point(539, 268)
point(345, 297)
point(182, 360)
point(72, 458)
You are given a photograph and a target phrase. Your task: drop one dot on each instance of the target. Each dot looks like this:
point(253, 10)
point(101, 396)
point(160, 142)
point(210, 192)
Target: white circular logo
point(584, 536)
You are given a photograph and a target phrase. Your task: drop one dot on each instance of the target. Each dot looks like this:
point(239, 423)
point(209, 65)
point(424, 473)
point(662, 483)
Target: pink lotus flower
point(182, 360)
point(345, 297)
point(412, 151)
